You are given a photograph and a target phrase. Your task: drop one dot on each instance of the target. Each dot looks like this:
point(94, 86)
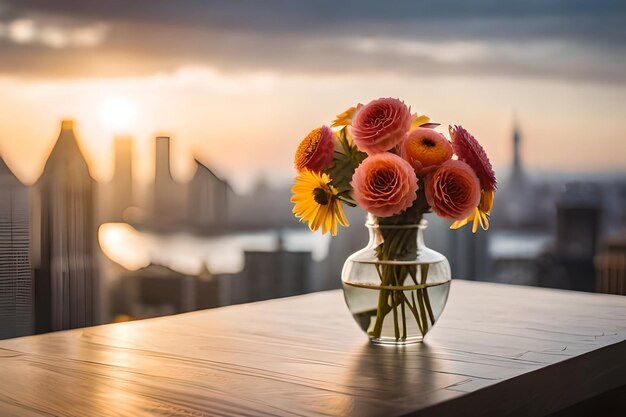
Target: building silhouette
point(517, 174)
point(264, 208)
point(610, 263)
point(16, 280)
point(158, 290)
point(64, 239)
point(577, 234)
point(272, 274)
point(119, 191)
point(169, 197)
point(208, 200)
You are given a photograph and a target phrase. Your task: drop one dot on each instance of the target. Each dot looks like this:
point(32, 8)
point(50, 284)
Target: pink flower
point(384, 184)
point(469, 151)
point(424, 148)
point(316, 150)
point(380, 125)
point(453, 190)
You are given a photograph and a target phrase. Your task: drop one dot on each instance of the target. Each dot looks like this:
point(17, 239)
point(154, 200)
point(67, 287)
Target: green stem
point(424, 271)
point(383, 306)
point(347, 200)
point(396, 329)
point(401, 297)
point(416, 314)
point(403, 319)
point(413, 273)
point(420, 300)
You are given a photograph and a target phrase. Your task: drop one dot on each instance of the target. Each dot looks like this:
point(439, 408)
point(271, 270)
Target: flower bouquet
point(393, 164)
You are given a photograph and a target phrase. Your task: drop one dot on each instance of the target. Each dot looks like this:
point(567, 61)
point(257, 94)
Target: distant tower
point(517, 173)
point(208, 196)
point(169, 196)
point(16, 281)
point(120, 189)
point(516, 205)
point(65, 239)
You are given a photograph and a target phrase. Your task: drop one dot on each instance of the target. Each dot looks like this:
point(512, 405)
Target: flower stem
point(383, 305)
point(420, 300)
point(414, 311)
point(403, 321)
point(424, 273)
point(396, 329)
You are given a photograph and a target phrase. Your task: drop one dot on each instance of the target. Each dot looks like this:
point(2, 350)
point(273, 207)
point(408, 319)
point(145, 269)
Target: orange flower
point(424, 148)
point(315, 152)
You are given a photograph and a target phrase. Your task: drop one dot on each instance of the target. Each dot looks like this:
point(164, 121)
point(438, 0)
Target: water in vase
point(412, 309)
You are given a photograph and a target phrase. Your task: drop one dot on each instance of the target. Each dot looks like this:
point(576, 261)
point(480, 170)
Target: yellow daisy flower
point(317, 203)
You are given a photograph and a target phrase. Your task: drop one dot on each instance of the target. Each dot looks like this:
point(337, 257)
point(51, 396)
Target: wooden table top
point(497, 350)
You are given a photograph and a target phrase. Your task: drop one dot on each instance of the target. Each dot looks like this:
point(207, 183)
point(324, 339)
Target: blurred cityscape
point(75, 252)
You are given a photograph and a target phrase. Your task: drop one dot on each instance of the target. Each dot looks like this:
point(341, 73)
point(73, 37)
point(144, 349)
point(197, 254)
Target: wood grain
point(497, 350)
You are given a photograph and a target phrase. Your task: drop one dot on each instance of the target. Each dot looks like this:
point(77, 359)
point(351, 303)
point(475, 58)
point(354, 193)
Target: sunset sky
point(239, 83)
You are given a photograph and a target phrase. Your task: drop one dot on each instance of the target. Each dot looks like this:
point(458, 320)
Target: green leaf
point(345, 163)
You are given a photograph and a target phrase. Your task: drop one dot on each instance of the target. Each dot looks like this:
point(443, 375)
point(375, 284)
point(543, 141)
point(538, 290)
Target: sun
point(117, 113)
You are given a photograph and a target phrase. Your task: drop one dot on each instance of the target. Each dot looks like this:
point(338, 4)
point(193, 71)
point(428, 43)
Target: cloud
point(21, 31)
point(54, 35)
point(568, 40)
point(444, 52)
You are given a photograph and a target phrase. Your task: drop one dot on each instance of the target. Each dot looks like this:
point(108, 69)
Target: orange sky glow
point(248, 125)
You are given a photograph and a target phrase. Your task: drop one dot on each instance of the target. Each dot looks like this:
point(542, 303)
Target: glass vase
point(396, 287)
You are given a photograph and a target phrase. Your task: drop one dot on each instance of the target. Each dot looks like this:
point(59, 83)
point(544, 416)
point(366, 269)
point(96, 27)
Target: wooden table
point(497, 350)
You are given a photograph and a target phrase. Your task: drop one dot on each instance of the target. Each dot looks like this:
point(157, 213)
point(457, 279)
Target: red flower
point(467, 148)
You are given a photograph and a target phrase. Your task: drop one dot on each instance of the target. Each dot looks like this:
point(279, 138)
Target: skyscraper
point(208, 196)
point(118, 193)
point(64, 239)
point(578, 226)
point(169, 204)
point(16, 281)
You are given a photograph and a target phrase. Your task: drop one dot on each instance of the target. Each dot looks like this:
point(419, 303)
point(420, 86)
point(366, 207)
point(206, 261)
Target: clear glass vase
point(396, 287)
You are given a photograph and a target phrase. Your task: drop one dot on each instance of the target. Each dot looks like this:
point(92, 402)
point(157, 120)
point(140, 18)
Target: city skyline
point(184, 162)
